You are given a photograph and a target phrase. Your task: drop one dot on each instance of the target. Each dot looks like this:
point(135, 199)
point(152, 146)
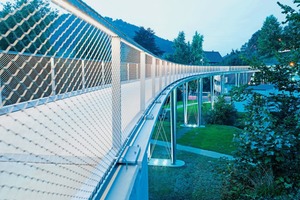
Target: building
point(213, 57)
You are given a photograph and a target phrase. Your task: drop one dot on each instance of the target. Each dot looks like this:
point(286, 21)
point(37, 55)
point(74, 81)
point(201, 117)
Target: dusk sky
point(225, 24)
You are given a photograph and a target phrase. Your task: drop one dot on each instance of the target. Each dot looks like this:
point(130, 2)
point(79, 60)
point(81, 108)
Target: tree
point(181, 54)
point(235, 58)
point(33, 33)
point(186, 53)
point(249, 50)
point(270, 36)
point(223, 113)
point(146, 39)
point(291, 32)
point(197, 50)
point(267, 161)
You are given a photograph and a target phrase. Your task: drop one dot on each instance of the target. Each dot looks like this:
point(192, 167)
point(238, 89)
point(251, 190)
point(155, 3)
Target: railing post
point(153, 72)
point(173, 119)
point(142, 80)
point(128, 72)
point(160, 74)
point(200, 93)
point(53, 76)
point(166, 73)
point(169, 72)
point(83, 74)
point(102, 73)
point(177, 72)
point(1, 89)
point(116, 92)
point(137, 71)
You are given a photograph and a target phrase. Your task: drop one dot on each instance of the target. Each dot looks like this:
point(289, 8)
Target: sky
point(225, 24)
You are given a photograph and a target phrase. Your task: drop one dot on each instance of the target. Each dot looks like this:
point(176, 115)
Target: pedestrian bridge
point(78, 103)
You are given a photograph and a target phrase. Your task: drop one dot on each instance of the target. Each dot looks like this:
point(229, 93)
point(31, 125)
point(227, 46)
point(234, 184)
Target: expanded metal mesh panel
point(130, 71)
point(24, 78)
point(56, 138)
point(68, 75)
point(130, 62)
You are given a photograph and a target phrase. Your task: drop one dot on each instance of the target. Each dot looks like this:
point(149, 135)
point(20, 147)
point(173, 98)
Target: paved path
point(202, 152)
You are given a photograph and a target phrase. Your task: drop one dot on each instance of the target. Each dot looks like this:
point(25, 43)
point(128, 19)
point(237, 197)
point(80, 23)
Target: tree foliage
point(270, 37)
point(235, 58)
point(197, 57)
point(145, 38)
point(31, 34)
point(186, 53)
point(223, 113)
point(267, 161)
point(181, 50)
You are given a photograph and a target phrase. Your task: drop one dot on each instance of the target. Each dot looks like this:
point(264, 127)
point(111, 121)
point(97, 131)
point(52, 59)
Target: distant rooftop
point(213, 57)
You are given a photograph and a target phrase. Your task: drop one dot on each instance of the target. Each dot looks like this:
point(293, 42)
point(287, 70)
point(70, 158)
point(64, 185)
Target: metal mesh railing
point(71, 91)
point(56, 117)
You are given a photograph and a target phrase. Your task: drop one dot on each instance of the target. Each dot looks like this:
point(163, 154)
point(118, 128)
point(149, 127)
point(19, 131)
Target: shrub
point(223, 113)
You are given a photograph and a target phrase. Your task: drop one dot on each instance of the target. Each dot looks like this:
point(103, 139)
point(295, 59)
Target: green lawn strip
point(196, 180)
point(218, 138)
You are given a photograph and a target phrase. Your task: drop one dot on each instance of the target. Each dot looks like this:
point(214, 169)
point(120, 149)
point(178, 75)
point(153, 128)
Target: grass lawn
point(196, 180)
point(213, 137)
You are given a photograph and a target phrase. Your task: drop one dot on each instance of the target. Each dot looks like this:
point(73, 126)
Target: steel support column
point(222, 83)
point(212, 91)
point(185, 102)
point(173, 120)
point(199, 98)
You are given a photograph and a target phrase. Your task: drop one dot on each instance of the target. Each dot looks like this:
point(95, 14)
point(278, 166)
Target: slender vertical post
point(1, 89)
point(116, 91)
point(102, 73)
point(185, 102)
point(176, 72)
point(238, 79)
point(212, 91)
point(173, 119)
point(83, 74)
point(142, 80)
point(153, 71)
point(166, 73)
point(53, 76)
point(160, 74)
point(169, 72)
point(235, 79)
point(222, 83)
point(137, 71)
point(128, 72)
point(200, 93)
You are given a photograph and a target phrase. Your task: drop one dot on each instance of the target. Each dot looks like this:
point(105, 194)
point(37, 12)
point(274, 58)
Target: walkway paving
point(202, 152)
